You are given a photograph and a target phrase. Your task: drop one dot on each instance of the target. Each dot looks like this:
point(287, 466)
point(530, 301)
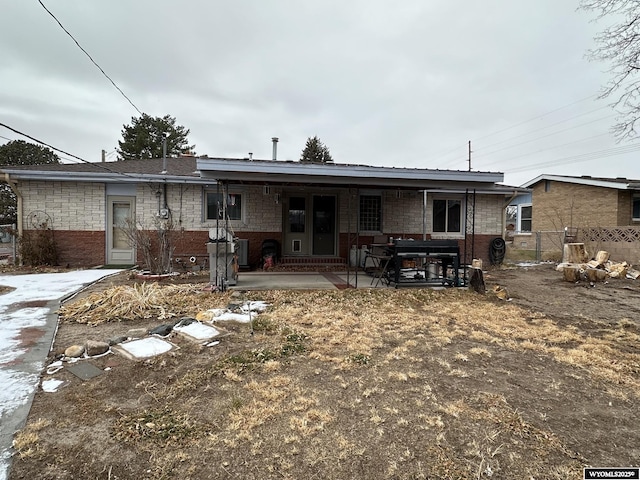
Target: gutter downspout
point(14, 186)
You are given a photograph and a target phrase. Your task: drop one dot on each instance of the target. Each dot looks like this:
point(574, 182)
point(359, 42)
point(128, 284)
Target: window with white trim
point(636, 206)
point(524, 218)
point(370, 213)
point(213, 207)
point(447, 215)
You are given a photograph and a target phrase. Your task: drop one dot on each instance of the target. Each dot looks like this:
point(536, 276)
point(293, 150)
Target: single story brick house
point(603, 213)
point(312, 211)
point(564, 201)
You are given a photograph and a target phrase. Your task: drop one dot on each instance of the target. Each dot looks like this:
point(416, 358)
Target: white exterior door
point(120, 251)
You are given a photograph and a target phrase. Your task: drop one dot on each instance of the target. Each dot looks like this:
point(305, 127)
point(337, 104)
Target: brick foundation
point(80, 248)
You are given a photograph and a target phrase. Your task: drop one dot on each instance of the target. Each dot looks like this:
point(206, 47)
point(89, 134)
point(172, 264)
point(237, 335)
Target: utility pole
point(469, 155)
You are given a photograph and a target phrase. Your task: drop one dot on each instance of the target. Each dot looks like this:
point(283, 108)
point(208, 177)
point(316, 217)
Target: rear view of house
point(310, 212)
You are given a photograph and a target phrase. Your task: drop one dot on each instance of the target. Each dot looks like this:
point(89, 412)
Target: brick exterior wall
point(80, 248)
point(73, 206)
point(78, 210)
point(569, 204)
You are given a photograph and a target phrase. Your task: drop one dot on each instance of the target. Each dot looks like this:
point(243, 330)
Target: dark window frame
point(370, 216)
point(449, 208)
point(235, 212)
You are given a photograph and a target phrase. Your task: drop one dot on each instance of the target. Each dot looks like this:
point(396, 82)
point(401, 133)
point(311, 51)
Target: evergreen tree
point(315, 152)
point(19, 152)
point(143, 138)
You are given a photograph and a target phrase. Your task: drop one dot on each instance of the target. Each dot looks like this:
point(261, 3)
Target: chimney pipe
point(250, 155)
point(275, 147)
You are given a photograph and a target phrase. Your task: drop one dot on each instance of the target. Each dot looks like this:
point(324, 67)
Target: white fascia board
point(580, 181)
point(100, 177)
point(227, 169)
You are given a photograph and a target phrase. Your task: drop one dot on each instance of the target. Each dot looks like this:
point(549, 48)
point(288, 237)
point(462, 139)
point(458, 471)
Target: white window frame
point(372, 193)
point(232, 191)
point(445, 234)
point(520, 207)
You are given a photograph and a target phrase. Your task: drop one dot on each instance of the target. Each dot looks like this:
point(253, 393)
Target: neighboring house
point(578, 202)
point(313, 211)
point(601, 212)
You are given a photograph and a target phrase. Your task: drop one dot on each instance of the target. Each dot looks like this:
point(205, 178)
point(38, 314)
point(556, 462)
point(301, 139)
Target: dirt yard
point(345, 384)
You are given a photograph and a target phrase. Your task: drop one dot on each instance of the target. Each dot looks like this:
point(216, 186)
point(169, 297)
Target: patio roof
point(266, 172)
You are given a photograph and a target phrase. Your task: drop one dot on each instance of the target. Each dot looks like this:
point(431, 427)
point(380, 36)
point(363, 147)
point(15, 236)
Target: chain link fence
point(535, 246)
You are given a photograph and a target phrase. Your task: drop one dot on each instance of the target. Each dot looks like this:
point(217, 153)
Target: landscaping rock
point(74, 351)
point(94, 347)
point(116, 340)
point(209, 315)
point(137, 333)
point(184, 321)
point(162, 330)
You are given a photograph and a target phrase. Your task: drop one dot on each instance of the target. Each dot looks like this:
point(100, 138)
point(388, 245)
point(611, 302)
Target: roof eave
point(264, 171)
point(580, 181)
point(39, 175)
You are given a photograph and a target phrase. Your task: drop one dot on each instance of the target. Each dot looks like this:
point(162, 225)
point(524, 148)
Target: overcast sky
point(405, 83)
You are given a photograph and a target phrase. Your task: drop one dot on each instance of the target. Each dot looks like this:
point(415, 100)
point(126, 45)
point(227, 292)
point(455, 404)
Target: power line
point(90, 58)
point(538, 117)
point(546, 149)
point(545, 136)
point(528, 121)
point(549, 126)
point(96, 164)
point(585, 157)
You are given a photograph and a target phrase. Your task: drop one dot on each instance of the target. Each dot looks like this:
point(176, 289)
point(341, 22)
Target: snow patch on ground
point(198, 331)
point(146, 347)
point(51, 385)
point(19, 378)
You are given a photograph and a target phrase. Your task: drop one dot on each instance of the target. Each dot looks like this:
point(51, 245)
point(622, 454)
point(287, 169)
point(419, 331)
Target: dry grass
point(353, 325)
point(377, 384)
point(27, 442)
point(141, 300)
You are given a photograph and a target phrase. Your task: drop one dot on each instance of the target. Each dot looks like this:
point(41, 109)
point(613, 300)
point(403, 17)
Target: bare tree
point(155, 242)
point(619, 46)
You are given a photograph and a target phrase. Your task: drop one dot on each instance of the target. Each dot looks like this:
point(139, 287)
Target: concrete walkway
point(27, 327)
point(303, 281)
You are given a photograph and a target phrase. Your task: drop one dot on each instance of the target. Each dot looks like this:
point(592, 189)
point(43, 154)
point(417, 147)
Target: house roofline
point(338, 174)
point(18, 174)
point(618, 184)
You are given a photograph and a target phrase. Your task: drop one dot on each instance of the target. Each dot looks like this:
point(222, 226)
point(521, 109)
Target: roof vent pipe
point(250, 155)
point(275, 147)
